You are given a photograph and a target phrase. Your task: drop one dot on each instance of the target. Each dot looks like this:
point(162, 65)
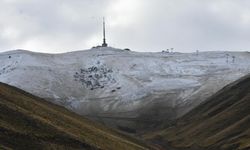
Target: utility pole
point(227, 55)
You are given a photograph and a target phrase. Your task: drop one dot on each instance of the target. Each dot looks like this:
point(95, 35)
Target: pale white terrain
point(123, 86)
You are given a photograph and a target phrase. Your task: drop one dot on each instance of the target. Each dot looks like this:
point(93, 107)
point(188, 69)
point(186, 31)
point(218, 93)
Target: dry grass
point(221, 122)
point(28, 122)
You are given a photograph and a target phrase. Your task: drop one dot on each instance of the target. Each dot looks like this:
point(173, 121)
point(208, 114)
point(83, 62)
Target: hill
point(124, 88)
point(29, 122)
point(222, 122)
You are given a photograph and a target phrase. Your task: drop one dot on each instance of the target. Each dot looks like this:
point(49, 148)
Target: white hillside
point(113, 83)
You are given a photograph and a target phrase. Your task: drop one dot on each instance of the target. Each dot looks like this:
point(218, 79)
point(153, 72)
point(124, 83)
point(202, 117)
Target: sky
point(56, 26)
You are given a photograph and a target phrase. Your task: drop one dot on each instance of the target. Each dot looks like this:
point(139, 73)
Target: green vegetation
point(29, 122)
point(220, 123)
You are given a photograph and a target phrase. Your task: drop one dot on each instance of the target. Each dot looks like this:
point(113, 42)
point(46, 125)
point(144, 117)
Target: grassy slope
point(221, 122)
point(28, 122)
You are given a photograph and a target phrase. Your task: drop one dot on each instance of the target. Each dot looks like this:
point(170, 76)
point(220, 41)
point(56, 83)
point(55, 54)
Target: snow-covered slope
point(120, 86)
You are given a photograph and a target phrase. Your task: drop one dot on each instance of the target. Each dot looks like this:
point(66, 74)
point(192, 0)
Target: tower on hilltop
point(104, 44)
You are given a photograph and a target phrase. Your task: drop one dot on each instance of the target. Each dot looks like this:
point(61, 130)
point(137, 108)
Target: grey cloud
point(142, 25)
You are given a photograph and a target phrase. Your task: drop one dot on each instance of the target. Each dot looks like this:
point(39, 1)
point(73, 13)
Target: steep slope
point(221, 122)
point(29, 122)
point(121, 88)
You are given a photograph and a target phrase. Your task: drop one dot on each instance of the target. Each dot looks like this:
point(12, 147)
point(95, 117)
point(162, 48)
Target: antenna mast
point(104, 44)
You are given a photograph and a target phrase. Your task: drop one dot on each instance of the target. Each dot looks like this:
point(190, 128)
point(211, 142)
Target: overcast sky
point(141, 25)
